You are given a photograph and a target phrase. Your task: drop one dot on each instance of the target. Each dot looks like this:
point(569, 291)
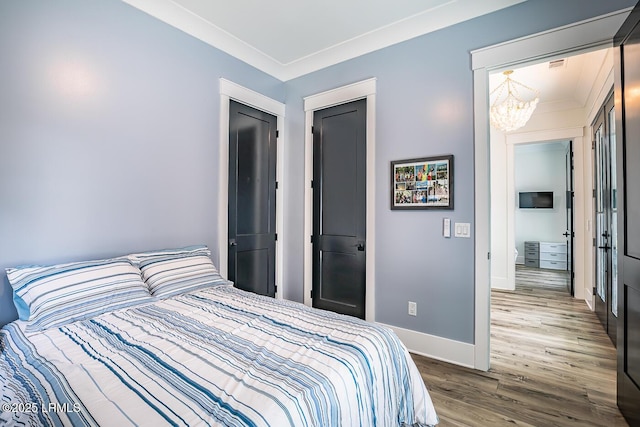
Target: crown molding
point(450, 13)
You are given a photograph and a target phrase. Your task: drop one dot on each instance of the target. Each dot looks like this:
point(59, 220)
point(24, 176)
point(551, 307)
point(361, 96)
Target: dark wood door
point(339, 208)
point(605, 235)
point(627, 196)
point(569, 234)
point(252, 199)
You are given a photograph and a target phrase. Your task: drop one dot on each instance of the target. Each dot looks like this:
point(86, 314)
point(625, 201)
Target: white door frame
point(229, 91)
point(365, 89)
point(584, 36)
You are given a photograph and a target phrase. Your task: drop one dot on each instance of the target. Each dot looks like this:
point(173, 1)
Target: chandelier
point(509, 111)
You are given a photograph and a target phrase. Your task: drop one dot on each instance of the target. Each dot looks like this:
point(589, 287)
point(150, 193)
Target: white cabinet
point(549, 255)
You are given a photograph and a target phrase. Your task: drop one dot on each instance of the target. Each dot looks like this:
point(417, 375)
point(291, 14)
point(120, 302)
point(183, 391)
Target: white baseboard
point(435, 347)
point(500, 283)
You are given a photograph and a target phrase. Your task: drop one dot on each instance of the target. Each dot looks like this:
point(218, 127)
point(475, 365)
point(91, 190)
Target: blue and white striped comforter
point(219, 356)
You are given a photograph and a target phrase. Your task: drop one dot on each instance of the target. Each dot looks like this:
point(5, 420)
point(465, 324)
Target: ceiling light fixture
point(509, 111)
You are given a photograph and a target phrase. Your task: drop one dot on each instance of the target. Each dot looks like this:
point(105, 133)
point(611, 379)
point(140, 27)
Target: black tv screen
point(536, 199)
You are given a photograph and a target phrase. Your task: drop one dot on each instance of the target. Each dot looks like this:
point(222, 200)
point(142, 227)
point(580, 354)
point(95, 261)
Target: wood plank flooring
point(552, 364)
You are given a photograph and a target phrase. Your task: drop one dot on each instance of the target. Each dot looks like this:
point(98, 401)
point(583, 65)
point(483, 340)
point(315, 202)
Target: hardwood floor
point(552, 364)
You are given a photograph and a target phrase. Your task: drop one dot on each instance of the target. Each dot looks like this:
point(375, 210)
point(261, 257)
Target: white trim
point(579, 37)
point(574, 134)
point(228, 91)
point(482, 222)
point(251, 98)
point(183, 19)
point(340, 95)
point(435, 347)
point(591, 34)
point(441, 15)
point(364, 89)
point(545, 135)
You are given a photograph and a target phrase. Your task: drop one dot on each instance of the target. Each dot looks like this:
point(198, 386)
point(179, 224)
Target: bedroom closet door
point(252, 199)
point(627, 196)
point(339, 208)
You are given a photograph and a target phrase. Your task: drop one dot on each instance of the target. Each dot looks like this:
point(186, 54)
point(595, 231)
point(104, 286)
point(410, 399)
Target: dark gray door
point(252, 199)
point(569, 234)
point(605, 238)
point(339, 208)
point(627, 199)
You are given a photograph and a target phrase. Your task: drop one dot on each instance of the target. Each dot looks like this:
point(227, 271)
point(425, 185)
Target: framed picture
point(424, 183)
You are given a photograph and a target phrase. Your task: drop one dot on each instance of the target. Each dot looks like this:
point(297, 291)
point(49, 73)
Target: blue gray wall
point(108, 133)
point(109, 129)
point(424, 107)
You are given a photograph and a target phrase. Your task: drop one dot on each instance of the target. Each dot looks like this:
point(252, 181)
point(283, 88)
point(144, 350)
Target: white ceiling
point(290, 38)
point(568, 87)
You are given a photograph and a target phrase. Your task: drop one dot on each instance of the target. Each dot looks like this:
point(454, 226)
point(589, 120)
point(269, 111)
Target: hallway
point(552, 364)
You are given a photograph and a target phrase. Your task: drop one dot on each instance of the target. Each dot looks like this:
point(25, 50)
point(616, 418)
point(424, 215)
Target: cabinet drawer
point(554, 265)
point(531, 246)
point(531, 254)
point(531, 262)
point(553, 256)
point(553, 247)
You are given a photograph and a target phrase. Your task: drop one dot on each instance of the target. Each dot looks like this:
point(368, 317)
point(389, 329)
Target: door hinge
point(593, 147)
point(277, 133)
point(311, 293)
point(276, 185)
point(311, 239)
point(276, 288)
point(594, 193)
point(276, 234)
point(593, 291)
point(488, 255)
point(312, 130)
point(311, 183)
point(594, 241)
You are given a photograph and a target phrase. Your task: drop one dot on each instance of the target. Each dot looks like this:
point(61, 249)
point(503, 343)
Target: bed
point(196, 352)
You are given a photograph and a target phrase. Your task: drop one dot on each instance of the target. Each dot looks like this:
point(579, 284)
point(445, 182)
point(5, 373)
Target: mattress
point(219, 356)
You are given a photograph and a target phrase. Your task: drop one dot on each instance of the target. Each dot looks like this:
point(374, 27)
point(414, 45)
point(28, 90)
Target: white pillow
point(51, 296)
point(170, 272)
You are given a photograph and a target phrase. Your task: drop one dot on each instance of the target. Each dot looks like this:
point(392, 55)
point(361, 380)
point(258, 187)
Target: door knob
point(360, 246)
point(232, 242)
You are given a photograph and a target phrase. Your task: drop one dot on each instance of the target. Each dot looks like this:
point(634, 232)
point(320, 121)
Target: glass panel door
point(605, 206)
point(611, 121)
point(601, 229)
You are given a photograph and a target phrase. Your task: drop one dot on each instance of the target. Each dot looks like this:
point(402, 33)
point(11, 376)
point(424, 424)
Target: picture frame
point(422, 183)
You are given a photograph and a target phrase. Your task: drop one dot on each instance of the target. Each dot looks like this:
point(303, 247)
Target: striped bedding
point(218, 356)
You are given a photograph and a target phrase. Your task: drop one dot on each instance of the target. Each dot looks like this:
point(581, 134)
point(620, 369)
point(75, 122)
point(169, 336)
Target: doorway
point(231, 91)
point(339, 208)
point(595, 33)
point(252, 195)
point(541, 211)
point(365, 89)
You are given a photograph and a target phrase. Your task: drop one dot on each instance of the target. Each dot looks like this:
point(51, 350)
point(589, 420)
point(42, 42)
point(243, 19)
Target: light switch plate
point(462, 229)
point(446, 227)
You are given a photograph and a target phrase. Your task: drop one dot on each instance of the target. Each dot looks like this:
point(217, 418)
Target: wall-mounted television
point(535, 199)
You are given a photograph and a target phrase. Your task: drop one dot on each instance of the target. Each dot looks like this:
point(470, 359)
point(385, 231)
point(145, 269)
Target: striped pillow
point(138, 258)
point(176, 271)
point(52, 296)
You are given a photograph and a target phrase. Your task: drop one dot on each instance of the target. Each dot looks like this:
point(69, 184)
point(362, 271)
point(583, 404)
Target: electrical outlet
point(413, 308)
